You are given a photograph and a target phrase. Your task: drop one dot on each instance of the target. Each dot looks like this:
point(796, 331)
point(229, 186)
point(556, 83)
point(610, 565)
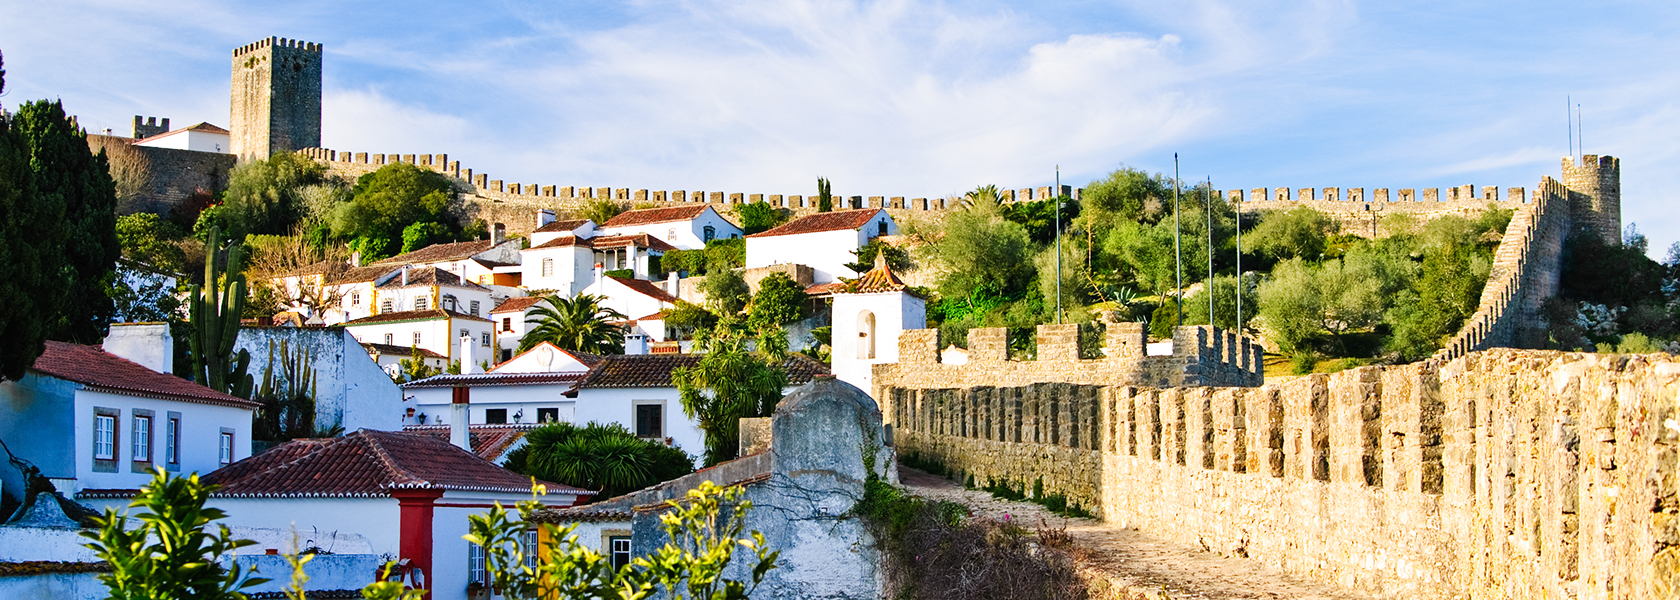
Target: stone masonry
point(1500, 474)
point(276, 97)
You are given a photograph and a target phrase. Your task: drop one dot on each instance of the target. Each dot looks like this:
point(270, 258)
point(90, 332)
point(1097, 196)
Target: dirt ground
point(1124, 564)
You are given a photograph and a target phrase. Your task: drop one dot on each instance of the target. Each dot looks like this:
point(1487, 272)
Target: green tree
point(386, 202)
point(1144, 253)
point(140, 294)
point(726, 292)
point(1224, 303)
point(420, 235)
point(62, 168)
point(1447, 291)
point(170, 553)
point(779, 301)
point(580, 324)
point(692, 262)
point(1125, 195)
point(605, 458)
point(146, 238)
point(979, 249)
point(731, 382)
point(898, 259)
point(758, 216)
point(726, 254)
point(32, 234)
point(268, 196)
point(825, 196)
point(1296, 233)
point(414, 368)
point(1038, 217)
point(686, 318)
point(701, 542)
point(601, 210)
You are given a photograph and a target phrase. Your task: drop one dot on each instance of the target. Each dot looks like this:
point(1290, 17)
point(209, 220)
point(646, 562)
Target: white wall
point(201, 428)
point(633, 304)
point(574, 267)
point(377, 519)
point(449, 522)
point(351, 390)
point(826, 252)
point(544, 358)
point(617, 405)
point(893, 311)
point(197, 141)
point(438, 335)
point(435, 401)
point(687, 235)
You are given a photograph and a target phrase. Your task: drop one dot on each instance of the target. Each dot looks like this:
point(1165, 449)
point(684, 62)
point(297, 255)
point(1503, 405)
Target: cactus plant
point(214, 310)
point(287, 395)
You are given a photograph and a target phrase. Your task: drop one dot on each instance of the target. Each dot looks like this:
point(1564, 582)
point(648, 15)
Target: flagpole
point(1178, 250)
point(1057, 194)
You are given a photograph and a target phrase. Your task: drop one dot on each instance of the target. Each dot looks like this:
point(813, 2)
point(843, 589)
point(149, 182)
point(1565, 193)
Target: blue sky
point(913, 98)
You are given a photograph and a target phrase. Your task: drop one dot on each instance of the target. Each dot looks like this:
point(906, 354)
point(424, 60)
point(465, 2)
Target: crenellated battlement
point(1202, 355)
point(278, 42)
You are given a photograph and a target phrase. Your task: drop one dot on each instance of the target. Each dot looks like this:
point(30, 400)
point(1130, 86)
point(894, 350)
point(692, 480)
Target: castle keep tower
point(276, 105)
point(1595, 197)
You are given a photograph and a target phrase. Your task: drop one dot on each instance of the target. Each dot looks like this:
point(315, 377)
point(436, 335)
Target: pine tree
point(32, 232)
point(64, 171)
point(825, 196)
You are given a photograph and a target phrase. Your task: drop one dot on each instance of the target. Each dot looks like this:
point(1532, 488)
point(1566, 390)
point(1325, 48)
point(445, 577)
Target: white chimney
point(460, 402)
point(672, 283)
point(469, 362)
point(146, 343)
point(405, 275)
point(544, 217)
point(599, 274)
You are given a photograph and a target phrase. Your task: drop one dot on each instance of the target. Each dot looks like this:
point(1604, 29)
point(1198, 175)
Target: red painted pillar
point(416, 529)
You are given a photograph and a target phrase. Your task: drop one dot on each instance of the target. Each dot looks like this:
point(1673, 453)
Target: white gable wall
point(574, 268)
point(893, 312)
point(687, 235)
point(438, 335)
point(545, 358)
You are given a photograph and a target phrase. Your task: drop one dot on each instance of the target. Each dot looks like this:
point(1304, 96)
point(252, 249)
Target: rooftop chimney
point(599, 274)
point(459, 402)
point(544, 217)
point(146, 343)
point(405, 275)
point(498, 234)
point(469, 362)
point(672, 283)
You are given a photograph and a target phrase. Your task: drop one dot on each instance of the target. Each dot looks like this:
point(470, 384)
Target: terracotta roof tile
point(829, 221)
point(494, 379)
point(413, 315)
point(646, 288)
point(395, 350)
point(560, 226)
point(640, 240)
point(439, 253)
point(431, 276)
point(878, 279)
point(656, 215)
point(489, 442)
point(516, 304)
point(824, 289)
point(367, 464)
point(358, 274)
point(97, 369)
point(654, 370)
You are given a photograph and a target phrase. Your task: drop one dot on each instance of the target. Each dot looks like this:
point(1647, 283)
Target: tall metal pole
point(1058, 196)
point(1207, 195)
point(1178, 250)
point(1239, 265)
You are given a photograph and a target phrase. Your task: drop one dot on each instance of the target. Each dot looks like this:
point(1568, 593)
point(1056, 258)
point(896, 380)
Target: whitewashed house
point(202, 137)
point(509, 321)
point(434, 329)
point(548, 228)
point(633, 298)
point(685, 227)
point(352, 390)
point(531, 388)
point(826, 242)
point(389, 357)
point(91, 418)
point(473, 261)
point(869, 315)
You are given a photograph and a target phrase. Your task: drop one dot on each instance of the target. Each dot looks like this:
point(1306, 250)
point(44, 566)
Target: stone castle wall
point(276, 97)
point(157, 179)
point(1501, 474)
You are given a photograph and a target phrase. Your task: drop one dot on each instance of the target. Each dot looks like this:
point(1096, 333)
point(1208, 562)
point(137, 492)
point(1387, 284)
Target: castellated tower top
point(276, 100)
point(1595, 197)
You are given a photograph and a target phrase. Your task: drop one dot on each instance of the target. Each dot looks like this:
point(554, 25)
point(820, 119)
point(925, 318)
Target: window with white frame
point(385, 305)
point(484, 340)
point(142, 448)
point(416, 338)
point(620, 548)
point(475, 564)
point(172, 441)
point(474, 308)
point(390, 339)
point(547, 267)
point(671, 235)
point(531, 548)
point(355, 298)
point(448, 303)
point(104, 437)
point(421, 303)
point(224, 452)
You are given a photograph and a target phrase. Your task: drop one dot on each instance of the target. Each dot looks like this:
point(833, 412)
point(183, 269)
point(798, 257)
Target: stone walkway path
point(1124, 564)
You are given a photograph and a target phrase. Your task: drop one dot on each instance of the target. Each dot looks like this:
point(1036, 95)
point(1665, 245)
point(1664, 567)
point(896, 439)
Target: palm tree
point(580, 324)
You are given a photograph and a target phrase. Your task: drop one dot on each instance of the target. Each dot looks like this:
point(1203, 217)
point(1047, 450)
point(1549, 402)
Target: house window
point(507, 324)
point(530, 548)
point(475, 564)
point(104, 437)
point(172, 440)
point(465, 334)
point(881, 227)
point(421, 303)
point(495, 416)
point(474, 308)
point(484, 340)
point(416, 338)
point(866, 335)
point(355, 298)
point(449, 303)
point(385, 305)
point(142, 435)
point(710, 233)
point(671, 236)
point(507, 355)
point(548, 415)
point(650, 420)
point(548, 267)
point(390, 339)
point(224, 452)
point(620, 550)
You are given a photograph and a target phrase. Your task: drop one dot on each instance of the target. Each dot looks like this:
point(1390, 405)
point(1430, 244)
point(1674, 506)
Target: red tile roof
point(431, 276)
point(654, 370)
point(559, 226)
point(489, 442)
point(656, 215)
point(395, 350)
point(829, 221)
point(516, 304)
point(646, 288)
point(824, 289)
point(495, 379)
point(367, 464)
point(878, 279)
point(99, 370)
point(201, 128)
point(640, 240)
point(439, 253)
point(413, 315)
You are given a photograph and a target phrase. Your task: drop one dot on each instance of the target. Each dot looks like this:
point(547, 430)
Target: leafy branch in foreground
point(170, 554)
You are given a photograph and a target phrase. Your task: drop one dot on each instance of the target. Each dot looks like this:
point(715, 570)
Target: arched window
point(671, 236)
point(548, 267)
point(866, 335)
point(710, 233)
